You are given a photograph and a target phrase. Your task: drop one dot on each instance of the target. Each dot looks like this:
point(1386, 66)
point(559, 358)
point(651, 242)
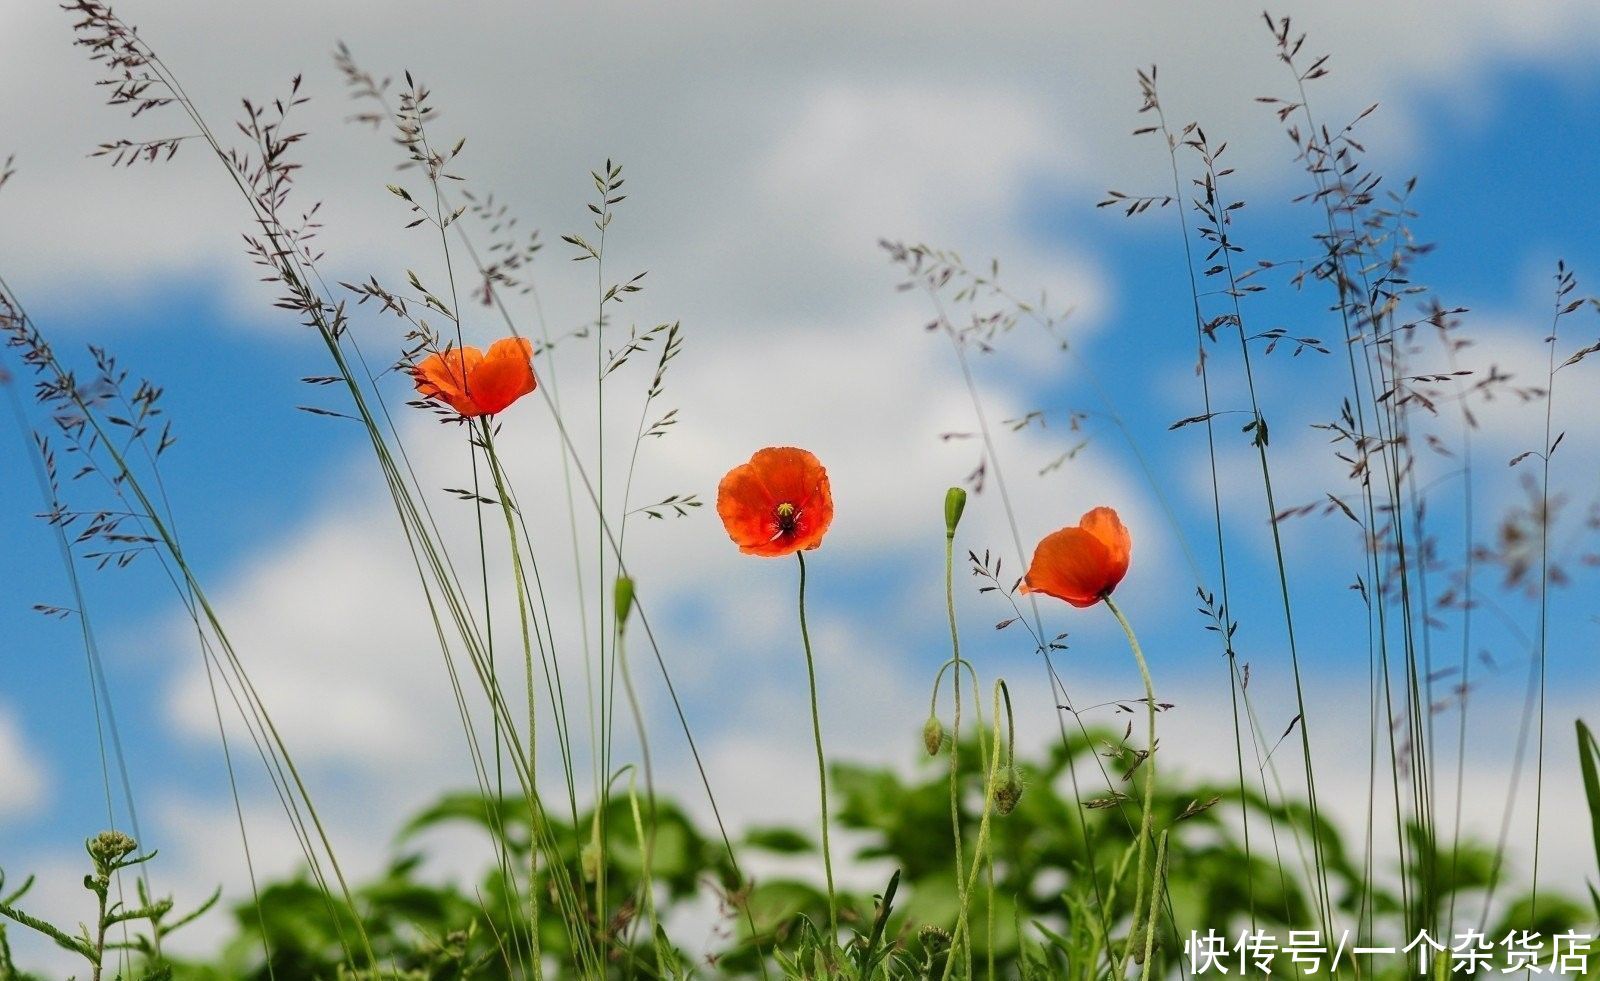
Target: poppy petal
point(786, 472)
point(1104, 524)
point(1071, 565)
point(504, 375)
point(443, 377)
point(748, 512)
point(816, 512)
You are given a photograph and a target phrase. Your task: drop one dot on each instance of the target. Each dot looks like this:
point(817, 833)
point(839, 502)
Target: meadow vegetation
point(1091, 860)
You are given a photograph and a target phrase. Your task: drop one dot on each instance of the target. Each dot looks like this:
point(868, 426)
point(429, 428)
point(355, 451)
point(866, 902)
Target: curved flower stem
point(955, 730)
point(963, 927)
point(957, 663)
point(1147, 819)
point(822, 763)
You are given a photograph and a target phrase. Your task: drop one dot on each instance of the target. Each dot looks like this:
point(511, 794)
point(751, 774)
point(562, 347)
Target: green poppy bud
point(933, 735)
point(955, 501)
point(1008, 792)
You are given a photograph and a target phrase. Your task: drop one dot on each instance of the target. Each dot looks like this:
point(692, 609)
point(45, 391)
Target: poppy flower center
point(788, 514)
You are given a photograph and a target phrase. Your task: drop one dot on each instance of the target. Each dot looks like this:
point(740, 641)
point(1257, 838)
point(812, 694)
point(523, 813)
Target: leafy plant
point(110, 853)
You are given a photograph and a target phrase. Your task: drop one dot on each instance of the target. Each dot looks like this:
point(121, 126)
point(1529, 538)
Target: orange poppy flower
point(1081, 564)
point(777, 503)
point(475, 383)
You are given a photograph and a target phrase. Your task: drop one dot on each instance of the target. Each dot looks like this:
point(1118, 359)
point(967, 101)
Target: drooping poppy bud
point(1008, 791)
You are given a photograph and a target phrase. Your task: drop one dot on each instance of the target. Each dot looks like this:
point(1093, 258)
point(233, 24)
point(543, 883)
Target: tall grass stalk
point(293, 267)
point(295, 271)
point(1218, 218)
point(108, 735)
point(1566, 283)
point(58, 385)
point(1223, 625)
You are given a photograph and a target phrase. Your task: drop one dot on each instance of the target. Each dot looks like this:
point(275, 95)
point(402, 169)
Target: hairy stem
point(822, 763)
point(1147, 819)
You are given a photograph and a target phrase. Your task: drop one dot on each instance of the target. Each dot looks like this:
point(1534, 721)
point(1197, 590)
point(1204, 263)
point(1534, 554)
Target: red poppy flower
point(777, 503)
point(1081, 564)
point(475, 383)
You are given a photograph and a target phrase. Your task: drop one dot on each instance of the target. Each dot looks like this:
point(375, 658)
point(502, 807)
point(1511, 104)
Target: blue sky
point(1507, 177)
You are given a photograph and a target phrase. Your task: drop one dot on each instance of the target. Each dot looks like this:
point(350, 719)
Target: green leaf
point(871, 953)
point(190, 917)
point(776, 903)
point(506, 819)
point(1589, 760)
point(784, 841)
point(61, 938)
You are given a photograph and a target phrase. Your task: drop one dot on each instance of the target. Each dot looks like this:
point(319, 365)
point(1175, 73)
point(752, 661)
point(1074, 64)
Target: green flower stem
point(983, 833)
point(955, 733)
point(822, 763)
point(1150, 920)
point(1147, 819)
point(503, 493)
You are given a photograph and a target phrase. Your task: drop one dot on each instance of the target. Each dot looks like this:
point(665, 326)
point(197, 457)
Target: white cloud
point(879, 155)
point(24, 785)
point(873, 112)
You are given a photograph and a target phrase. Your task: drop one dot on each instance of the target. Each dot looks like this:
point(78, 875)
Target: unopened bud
point(623, 600)
point(1008, 792)
point(935, 940)
point(110, 847)
point(589, 860)
point(955, 501)
point(933, 735)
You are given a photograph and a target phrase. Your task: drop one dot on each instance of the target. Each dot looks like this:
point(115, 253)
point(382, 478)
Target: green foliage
point(110, 854)
point(1062, 884)
point(1589, 762)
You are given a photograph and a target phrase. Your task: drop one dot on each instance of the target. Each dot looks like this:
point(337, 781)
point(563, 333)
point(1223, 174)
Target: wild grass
point(1081, 864)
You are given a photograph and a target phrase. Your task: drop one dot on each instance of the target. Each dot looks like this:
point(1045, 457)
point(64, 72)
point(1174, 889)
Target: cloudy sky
point(766, 151)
